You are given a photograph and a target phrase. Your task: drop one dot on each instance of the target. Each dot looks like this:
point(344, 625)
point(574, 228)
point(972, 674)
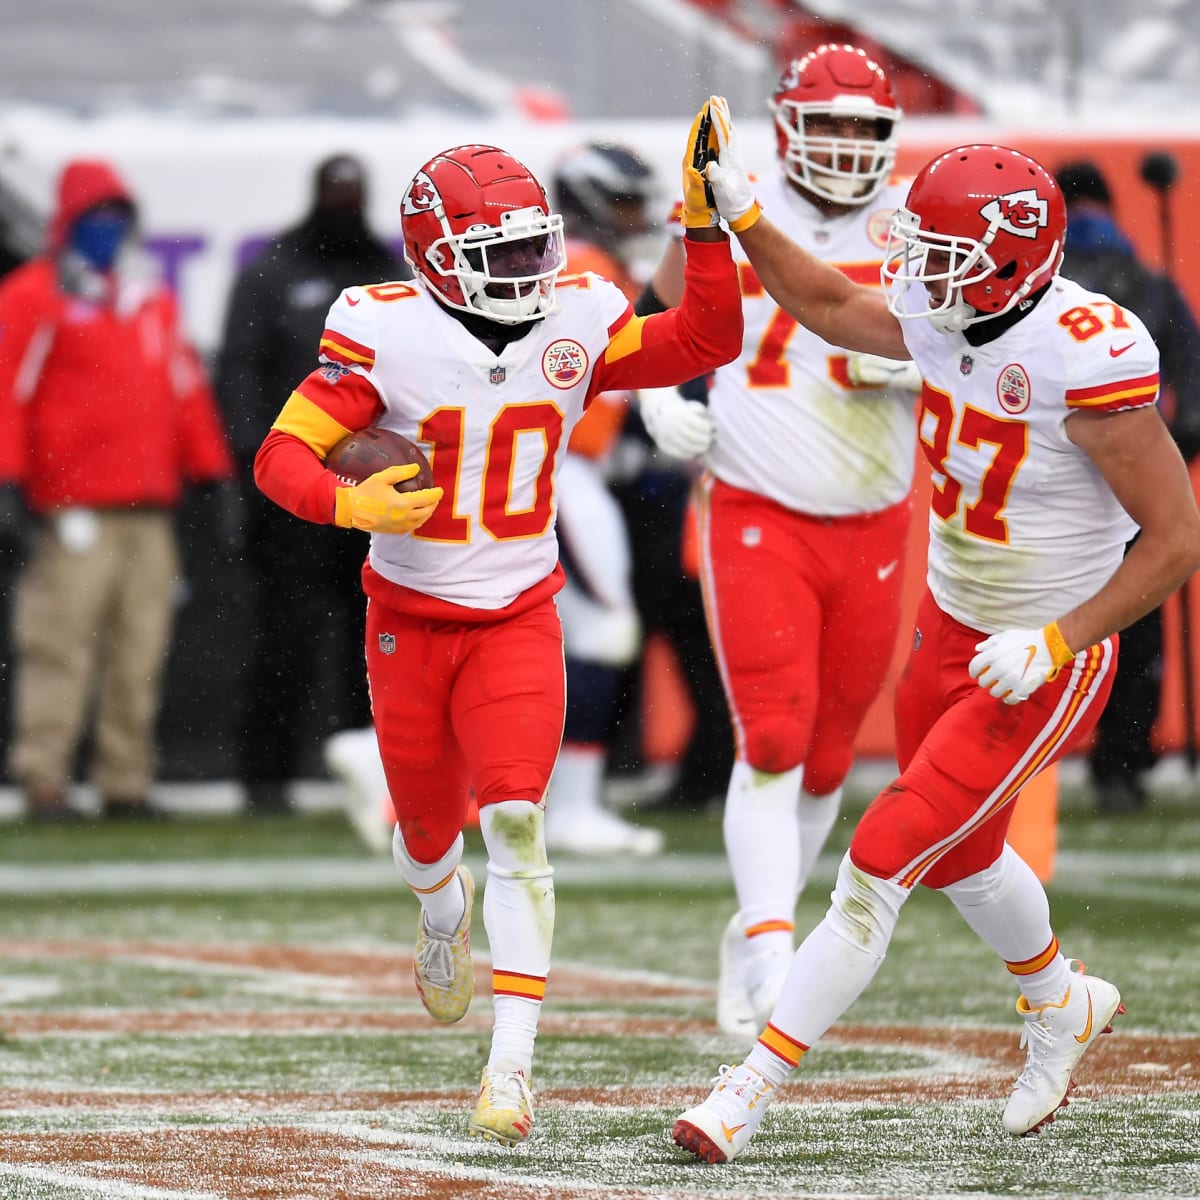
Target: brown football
point(361, 454)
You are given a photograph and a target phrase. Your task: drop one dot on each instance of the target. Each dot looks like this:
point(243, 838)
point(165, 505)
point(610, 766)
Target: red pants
point(803, 614)
point(964, 756)
point(462, 706)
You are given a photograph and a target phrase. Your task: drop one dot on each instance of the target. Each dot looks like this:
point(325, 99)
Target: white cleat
point(749, 982)
point(720, 1128)
point(353, 756)
point(599, 833)
point(735, 1014)
point(504, 1111)
point(1056, 1036)
point(765, 990)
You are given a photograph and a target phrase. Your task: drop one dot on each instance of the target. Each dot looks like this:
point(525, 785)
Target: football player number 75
point(1008, 444)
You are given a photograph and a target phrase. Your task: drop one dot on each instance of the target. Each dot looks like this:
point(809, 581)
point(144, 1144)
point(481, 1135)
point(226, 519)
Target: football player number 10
point(443, 429)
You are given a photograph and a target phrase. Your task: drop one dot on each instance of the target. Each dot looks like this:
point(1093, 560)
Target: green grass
point(1125, 900)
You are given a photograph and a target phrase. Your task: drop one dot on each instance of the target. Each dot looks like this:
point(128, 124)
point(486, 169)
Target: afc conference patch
point(1012, 389)
point(564, 363)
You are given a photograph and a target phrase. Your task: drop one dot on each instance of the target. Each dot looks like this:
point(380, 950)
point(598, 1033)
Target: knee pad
point(897, 828)
point(426, 841)
point(774, 743)
point(513, 835)
point(420, 874)
point(864, 908)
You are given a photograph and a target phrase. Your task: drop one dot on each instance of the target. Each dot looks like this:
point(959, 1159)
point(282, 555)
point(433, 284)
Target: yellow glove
point(376, 506)
point(699, 208)
point(727, 178)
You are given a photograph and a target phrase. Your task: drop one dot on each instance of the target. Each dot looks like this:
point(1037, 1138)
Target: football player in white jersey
point(1038, 419)
point(805, 514)
point(488, 361)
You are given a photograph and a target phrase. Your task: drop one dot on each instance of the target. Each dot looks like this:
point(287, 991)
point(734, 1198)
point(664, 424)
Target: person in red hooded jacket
point(107, 414)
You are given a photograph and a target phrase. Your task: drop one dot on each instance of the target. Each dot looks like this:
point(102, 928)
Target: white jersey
point(502, 421)
point(790, 425)
point(1022, 526)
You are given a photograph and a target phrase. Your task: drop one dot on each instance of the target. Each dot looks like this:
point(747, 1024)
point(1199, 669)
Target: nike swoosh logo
point(352, 302)
point(1028, 659)
point(884, 572)
point(730, 1132)
point(1087, 1029)
point(1117, 351)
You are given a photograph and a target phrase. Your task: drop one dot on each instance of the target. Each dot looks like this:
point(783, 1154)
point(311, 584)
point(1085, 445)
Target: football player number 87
point(1008, 443)
point(539, 424)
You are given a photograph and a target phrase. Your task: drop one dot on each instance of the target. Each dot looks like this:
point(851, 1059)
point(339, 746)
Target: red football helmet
point(985, 226)
point(830, 83)
point(479, 234)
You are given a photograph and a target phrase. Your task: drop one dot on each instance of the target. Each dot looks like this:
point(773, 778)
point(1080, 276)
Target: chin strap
point(954, 319)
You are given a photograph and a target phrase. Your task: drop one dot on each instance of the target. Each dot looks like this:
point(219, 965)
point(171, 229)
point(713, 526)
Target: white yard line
point(300, 875)
point(110, 1189)
point(1086, 870)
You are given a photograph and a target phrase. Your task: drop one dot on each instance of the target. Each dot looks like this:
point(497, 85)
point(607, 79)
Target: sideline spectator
point(1101, 257)
point(107, 414)
point(276, 313)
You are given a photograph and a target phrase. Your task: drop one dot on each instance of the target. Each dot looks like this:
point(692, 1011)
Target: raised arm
point(704, 330)
point(819, 296)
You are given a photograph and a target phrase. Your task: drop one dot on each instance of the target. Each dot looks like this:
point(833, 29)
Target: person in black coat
point(306, 674)
point(1100, 256)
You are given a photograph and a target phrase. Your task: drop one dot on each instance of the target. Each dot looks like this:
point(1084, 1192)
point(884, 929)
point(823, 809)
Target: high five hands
point(715, 184)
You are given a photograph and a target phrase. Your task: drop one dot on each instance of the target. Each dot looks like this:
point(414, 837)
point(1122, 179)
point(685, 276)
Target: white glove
point(1012, 665)
point(730, 187)
point(681, 428)
point(869, 370)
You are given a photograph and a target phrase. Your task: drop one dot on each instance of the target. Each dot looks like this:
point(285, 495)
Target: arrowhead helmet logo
point(1021, 213)
point(421, 196)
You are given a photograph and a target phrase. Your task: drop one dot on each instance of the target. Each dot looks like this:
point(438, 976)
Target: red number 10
point(443, 429)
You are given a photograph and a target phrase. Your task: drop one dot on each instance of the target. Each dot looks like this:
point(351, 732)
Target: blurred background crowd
point(246, 162)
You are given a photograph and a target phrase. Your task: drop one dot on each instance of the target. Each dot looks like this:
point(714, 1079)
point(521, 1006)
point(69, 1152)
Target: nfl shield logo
point(497, 374)
point(965, 364)
point(387, 643)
